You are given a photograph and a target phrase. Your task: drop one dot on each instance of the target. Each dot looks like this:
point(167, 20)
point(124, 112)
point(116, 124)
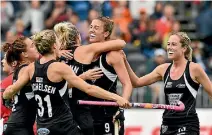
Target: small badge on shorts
point(181, 129)
point(43, 131)
point(164, 128)
point(5, 127)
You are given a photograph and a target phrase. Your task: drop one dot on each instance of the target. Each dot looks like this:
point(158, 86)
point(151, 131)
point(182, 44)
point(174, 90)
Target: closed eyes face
point(96, 31)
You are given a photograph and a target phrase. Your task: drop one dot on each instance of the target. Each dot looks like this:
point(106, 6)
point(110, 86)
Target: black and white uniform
point(23, 114)
point(53, 114)
point(81, 114)
point(103, 116)
point(184, 90)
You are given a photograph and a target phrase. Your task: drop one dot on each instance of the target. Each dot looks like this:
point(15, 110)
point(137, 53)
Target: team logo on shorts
point(5, 127)
point(43, 131)
point(164, 128)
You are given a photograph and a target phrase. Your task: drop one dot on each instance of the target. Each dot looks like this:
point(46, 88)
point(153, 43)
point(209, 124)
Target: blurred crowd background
point(144, 25)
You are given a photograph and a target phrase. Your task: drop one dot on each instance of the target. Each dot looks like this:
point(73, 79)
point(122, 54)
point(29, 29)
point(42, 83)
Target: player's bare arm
point(202, 78)
point(156, 75)
point(92, 90)
point(100, 47)
point(115, 59)
point(18, 85)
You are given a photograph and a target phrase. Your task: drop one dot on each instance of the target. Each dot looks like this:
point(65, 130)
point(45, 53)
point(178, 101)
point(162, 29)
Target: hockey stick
point(181, 106)
point(116, 127)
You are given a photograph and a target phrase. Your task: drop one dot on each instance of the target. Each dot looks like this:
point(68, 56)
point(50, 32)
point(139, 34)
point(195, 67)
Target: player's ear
point(14, 63)
point(106, 34)
point(25, 54)
point(54, 46)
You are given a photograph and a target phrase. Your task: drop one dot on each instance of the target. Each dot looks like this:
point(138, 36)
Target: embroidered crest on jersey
point(174, 98)
point(181, 86)
point(39, 79)
point(43, 131)
point(169, 85)
point(164, 128)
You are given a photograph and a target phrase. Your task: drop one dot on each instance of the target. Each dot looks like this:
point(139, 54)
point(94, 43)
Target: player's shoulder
point(58, 66)
point(161, 69)
point(31, 66)
point(164, 66)
point(195, 67)
point(114, 57)
point(114, 54)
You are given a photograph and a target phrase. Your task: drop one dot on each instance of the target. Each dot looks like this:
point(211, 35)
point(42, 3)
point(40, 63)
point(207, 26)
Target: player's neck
point(24, 62)
point(179, 63)
point(47, 58)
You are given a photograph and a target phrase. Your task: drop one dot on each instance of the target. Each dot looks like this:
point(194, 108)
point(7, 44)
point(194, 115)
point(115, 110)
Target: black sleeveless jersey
point(185, 90)
point(108, 82)
point(74, 93)
point(24, 109)
point(51, 97)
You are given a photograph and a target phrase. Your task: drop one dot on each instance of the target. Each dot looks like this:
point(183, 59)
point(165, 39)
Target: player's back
point(74, 93)
point(81, 114)
point(51, 97)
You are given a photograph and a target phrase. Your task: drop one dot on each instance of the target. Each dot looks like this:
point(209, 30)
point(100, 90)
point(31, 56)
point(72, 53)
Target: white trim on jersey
point(62, 91)
point(192, 90)
point(166, 79)
point(29, 95)
point(109, 75)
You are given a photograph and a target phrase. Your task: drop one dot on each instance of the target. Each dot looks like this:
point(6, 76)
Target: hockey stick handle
point(181, 106)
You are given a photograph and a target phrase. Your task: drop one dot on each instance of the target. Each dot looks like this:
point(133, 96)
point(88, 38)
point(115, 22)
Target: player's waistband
point(103, 120)
point(181, 120)
point(55, 121)
point(19, 124)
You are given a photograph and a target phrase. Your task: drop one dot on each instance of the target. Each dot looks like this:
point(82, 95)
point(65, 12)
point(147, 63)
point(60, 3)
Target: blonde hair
point(44, 41)
point(67, 34)
point(185, 41)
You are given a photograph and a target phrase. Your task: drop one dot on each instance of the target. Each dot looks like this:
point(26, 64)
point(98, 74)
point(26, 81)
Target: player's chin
point(4, 69)
point(172, 58)
point(92, 40)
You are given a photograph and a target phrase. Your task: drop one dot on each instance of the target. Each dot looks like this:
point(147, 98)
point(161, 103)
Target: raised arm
point(100, 47)
point(203, 79)
point(68, 74)
point(148, 79)
point(116, 60)
point(18, 85)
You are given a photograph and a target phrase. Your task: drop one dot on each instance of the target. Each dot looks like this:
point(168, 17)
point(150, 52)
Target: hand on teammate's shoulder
point(66, 54)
